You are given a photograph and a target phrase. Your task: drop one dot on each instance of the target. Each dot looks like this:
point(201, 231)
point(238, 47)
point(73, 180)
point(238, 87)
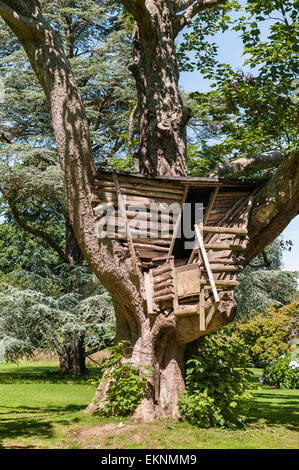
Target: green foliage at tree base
point(217, 382)
point(127, 382)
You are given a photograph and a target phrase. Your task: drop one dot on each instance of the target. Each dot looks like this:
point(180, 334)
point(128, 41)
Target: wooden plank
point(151, 181)
point(151, 247)
point(162, 285)
point(177, 224)
point(224, 283)
point(206, 261)
point(162, 277)
point(161, 258)
point(137, 238)
point(137, 224)
point(124, 215)
point(202, 313)
point(152, 241)
point(164, 297)
point(148, 254)
point(142, 187)
point(210, 205)
point(215, 212)
point(146, 201)
point(232, 230)
point(211, 313)
point(224, 261)
point(187, 281)
point(171, 182)
point(186, 267)
point(233, 194)
point(162, 292)
point(154, 216)
point(223, 247)
point(146, 194)
point(143, 235)
point(218, 268)
point(161, 270)
point(175, 286)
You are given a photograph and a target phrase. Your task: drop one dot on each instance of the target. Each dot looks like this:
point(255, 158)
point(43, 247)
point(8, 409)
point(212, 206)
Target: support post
point(175, 288)
point(202, 312)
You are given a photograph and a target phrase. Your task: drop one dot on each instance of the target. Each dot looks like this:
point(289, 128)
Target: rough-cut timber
point(149, 212)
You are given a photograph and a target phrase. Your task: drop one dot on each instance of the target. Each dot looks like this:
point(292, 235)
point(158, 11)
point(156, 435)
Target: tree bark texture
point(162, 116)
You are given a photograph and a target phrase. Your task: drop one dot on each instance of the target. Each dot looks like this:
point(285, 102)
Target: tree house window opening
point(185, 238)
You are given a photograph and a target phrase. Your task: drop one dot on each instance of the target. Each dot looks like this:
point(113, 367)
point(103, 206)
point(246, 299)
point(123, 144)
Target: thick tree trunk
point(162, 116)
point(73, 359)
point(155, 345)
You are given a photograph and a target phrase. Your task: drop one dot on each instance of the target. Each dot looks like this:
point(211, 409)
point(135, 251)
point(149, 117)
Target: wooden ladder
point(202, 317)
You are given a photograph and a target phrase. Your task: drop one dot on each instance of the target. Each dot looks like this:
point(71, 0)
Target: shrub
point(127, 383)
point(283, 372)
point(217, 382)
point(268, 335)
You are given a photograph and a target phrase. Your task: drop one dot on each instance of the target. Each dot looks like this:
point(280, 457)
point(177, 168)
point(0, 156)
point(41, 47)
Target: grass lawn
point(40, 408)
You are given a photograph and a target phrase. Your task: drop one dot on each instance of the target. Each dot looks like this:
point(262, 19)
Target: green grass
point(41, 408)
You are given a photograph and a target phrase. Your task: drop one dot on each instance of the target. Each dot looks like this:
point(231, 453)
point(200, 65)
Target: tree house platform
point(192, 274)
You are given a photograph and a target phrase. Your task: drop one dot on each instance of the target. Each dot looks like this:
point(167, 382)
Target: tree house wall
point(176, 279)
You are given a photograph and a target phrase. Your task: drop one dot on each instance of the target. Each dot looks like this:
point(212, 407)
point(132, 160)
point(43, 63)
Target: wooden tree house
point(149, 212)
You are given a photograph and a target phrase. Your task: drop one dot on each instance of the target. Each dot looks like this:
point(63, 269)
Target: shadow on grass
point(27, 421)
point(42, 374)
point(275, 409)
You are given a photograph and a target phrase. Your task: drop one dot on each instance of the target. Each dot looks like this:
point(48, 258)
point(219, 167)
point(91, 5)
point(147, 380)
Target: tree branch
point(263, 161)
point(192, 8)
point(16, 13)
point(92, 351)
point(274, 206)
point(28, 228)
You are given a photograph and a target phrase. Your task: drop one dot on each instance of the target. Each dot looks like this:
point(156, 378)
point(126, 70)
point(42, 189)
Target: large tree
point(31, 186)
point(162, 119)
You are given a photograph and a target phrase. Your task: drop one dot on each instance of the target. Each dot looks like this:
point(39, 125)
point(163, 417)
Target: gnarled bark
point(274, 206)
point(241, 166)
point(162, 116)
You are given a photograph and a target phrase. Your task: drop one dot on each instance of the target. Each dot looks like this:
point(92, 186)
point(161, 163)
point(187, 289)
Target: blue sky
point(230, 52)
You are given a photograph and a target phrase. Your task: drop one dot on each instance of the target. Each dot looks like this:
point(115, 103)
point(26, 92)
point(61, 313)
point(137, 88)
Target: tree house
point(192, 274)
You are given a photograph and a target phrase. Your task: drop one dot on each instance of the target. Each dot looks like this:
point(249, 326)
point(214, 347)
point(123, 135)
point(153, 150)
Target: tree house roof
point(192, 181)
